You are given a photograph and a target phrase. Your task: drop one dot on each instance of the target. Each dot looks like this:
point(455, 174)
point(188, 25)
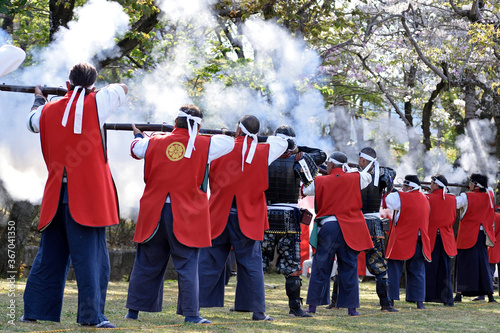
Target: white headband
point(411, 184)
point(345, 166)
point(192, 130)
point(437, 181)
point(477, 184)
point(286, 137)
point(77, 127)
point(376, 165)
point(253, 146)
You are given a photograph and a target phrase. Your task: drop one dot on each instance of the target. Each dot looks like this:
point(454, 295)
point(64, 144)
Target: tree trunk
point(410, 82)
point(61, 12)
point(7, 23)
point(470, 101)
point(427, 110)
point(427, 113)
point(14, 235)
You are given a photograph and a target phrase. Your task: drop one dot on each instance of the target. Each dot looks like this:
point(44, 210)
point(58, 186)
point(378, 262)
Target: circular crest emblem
point(175, 151)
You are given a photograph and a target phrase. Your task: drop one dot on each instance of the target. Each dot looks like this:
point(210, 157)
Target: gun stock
point(58, 91)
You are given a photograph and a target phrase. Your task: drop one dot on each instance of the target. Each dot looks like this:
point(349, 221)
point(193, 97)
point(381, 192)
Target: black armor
point(307, 169)
point(372, 195)
point(284, 183)
point(284, 176)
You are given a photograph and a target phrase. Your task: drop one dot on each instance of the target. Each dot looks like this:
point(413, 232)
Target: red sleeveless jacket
point(339, 194)
point(414, 216)
point(228, 181)
point(91, 191)
point(442, 218)
point(167, 171)
point(479, 212)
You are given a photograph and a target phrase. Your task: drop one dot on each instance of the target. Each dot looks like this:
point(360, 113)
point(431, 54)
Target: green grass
point(467, 316)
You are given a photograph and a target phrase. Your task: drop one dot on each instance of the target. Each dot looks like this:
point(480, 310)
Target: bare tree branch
point(474, 14)
point(419, 51)
point(325, 53)
point(382, 88)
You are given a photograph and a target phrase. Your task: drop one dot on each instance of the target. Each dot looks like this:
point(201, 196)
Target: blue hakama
point(330, 243)
point(472, 269)
point(438, 285)
point(145, 292)
point(415, 276)
point(63, 239)
point(250, 293)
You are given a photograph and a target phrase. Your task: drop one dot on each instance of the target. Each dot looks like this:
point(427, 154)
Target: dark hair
point(411, 178)
point(181, 122)
point(339, 156)
point(251, 123)
point(82, 74)
point(441, 178)
point(369, 151)
point(482, 180)
point(286, 130)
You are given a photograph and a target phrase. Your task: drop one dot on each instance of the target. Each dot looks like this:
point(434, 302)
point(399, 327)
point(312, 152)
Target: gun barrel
point(142, 127)
point(168, 128)
point(58, 91)
point(449, 184)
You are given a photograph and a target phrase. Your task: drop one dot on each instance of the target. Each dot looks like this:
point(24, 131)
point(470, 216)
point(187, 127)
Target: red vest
point(442, 218)
point(494, 252)
point(414, 216)
point(167, 171)
point(339, 194)
point(228, 181)
point(91, 191)
point(479, 212)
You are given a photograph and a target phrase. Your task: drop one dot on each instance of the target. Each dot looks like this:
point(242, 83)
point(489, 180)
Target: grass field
point(467, 316)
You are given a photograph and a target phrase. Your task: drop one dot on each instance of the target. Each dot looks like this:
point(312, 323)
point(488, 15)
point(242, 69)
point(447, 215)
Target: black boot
point(491, 299)
point(292, 286)
point(382, 287)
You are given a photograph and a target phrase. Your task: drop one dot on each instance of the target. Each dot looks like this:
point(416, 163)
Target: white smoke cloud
point(476, 147)
point(187, 10)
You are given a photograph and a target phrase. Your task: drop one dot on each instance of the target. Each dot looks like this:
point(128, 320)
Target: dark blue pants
point(62, 239)
point(438, 286)
point(330, 243)
point(415, 276)
point(145, 291)
point(472, 269)
point(250, 294)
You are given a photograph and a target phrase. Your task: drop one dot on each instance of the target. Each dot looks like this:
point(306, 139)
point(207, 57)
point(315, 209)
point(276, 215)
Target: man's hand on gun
point(40, 98)
point(136, 130)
